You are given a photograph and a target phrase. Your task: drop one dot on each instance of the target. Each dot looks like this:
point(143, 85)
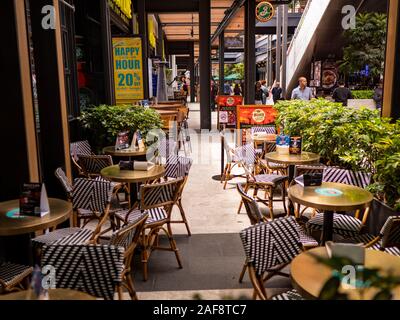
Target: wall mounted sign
point(128, 69)
point(123, 8)
point(264, 11)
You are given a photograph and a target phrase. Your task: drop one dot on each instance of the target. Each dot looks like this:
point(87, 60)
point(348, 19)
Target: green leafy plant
point(104, 122)
point(362, 94)
point(354, 139)
point(366, 44)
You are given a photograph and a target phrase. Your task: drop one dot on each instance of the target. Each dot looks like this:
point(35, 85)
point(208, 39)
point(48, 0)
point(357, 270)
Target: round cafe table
point(291, 160)
point(133, 177)
point(331, 197)
point(16, 231)
point(12, 224)
point(54, 294)
point(309, 276)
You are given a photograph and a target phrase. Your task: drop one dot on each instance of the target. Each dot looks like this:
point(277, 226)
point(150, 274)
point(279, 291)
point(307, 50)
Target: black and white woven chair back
point(92, 195)
point(390, 232)
point(270, 146)
point(166, 148)
point(252, 209)
point(94, 269)
point(177, 166)
point(355, 178)
point(246, 154)
point(308, 169)
point(93, 164)
point(80, 147)
point(126, 235)
point(267, 130)
point(65, 182)
point(159, 194)
point(271, 244)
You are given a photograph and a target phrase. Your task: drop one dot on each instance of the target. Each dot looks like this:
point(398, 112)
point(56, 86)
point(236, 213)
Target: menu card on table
point(309, 180)
point(353, 252)
point(122, 140)
point(33, 200)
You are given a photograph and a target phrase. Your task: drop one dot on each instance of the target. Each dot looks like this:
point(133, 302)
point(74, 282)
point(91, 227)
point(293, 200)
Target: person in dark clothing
point(236, 90)
point(277, 92)
point(378, 94)
point(342, 94)
point(259, 94)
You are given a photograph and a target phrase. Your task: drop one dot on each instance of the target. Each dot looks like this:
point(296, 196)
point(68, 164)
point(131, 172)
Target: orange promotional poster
point(249, 116)
point(255, 116)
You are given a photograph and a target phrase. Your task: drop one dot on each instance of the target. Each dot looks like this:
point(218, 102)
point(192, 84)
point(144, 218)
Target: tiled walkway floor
point(213, 256)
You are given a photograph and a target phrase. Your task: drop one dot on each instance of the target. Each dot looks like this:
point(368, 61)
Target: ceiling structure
point(185, 26)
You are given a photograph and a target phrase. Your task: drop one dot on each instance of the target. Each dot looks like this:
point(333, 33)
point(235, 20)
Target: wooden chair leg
point(246, 189)
point(120, 292)
point(131, 287)
point(243, 272)
point(227, 175)
point(179, 204)
point(144, 254)
point(173, 247)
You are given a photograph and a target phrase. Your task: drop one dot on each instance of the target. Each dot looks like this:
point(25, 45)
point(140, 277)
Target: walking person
point(302, 92)
point(277, 91)
point(236, 90)
point(378, 95)
point(259, 94)
point(342, 94)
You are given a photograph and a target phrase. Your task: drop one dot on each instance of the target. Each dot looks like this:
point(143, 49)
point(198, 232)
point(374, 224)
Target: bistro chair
point(90, 195)
point(93, 164)
point(165, 148)
point(157, 200)
point(272, 167)
point(265, 130)
point(13, 276)
point(80, 148)
point(231, 161)
point(388, 239)
point(183, 130)
point(175, 168)
point(128, 238)
point(343, 225)
point(94, 269)
point(256, 216)
point(265, 182)
point(270, 247)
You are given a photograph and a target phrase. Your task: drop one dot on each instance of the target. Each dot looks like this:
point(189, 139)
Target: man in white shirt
point(302, 92)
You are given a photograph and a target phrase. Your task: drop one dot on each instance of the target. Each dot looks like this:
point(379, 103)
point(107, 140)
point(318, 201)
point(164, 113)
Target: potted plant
point(104, 122)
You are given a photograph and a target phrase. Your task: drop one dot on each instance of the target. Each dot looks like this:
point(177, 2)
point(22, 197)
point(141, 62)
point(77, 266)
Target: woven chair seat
point(271, 179)
point(12, 274)
point(155, 215)
point(306, 240)
point(343, 225)
point(63, 236)
point(288, 295)
point(365, 238)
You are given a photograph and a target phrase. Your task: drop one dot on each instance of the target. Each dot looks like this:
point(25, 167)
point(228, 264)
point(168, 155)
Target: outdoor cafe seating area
point(120, 216)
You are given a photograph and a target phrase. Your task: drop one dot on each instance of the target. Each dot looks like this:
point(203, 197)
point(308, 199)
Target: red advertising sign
point(227, 110)
point(249, 116)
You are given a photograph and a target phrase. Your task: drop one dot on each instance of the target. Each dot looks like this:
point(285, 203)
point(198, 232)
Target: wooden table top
point(54, 294)
point(170, 102)
point(293, 159)
point(124, 153)
point(11, 224)
point(167, 112)
point(331, 196)
point(309, 276)
point(167, 106)
point(113, 173)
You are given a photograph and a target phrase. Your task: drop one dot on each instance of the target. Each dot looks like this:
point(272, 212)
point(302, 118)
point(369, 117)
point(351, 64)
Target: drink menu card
point(33, 200)
point(122, 141)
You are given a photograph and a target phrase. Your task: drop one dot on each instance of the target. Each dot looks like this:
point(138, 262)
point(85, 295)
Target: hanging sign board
point(264, 11)
point(128, 69)
point(249, 116)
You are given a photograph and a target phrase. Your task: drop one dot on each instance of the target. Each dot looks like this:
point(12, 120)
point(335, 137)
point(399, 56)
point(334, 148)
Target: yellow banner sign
point(128, 69)
point(125, 6)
